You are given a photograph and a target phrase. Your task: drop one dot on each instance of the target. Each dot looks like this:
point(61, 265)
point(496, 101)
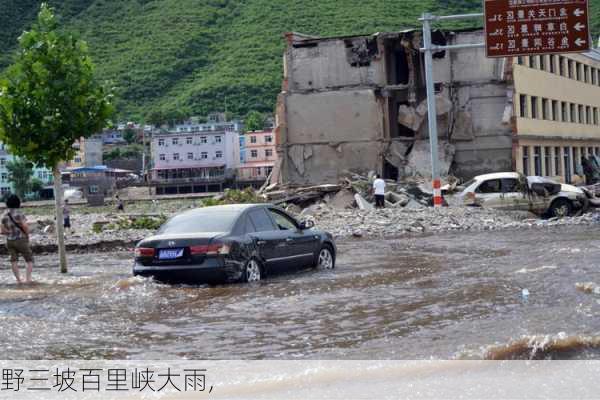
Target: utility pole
point(428, 49)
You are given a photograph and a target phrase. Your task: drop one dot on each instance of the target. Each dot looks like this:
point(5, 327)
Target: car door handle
point(261, 242)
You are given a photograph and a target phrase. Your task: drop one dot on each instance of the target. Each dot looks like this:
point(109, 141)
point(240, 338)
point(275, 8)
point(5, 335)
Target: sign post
point(428, 49)
point(517, 27)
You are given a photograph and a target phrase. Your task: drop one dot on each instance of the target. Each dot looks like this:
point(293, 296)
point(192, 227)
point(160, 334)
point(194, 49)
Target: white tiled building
point(187, 158)
point(43, 174)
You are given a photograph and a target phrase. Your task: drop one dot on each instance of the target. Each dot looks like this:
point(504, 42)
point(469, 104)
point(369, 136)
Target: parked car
point(232, 243)
point(514, 191)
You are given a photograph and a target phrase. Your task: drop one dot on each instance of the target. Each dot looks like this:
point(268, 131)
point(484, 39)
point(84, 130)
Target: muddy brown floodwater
point(443, 296)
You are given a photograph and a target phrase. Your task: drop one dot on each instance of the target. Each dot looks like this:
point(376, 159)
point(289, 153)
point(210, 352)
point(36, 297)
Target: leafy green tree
point(49, 98)
point(156, 118)
point(20, 172)
point(37, 186)
point(254, 121)
point(129, 135)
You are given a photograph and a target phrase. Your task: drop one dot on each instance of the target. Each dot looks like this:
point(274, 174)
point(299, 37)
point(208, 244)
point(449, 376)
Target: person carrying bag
point(14, 226)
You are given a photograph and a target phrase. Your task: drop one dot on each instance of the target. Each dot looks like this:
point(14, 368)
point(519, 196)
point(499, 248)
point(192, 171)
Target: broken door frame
point(428, 49)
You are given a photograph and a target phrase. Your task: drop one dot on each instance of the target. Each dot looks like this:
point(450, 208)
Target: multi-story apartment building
point(557, 113)
point(194, 161)
point(88, 152)
point(259, 156)
point(41, 173)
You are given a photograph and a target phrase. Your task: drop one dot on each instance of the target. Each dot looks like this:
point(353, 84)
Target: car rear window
point(213, 221)
point(261, 220)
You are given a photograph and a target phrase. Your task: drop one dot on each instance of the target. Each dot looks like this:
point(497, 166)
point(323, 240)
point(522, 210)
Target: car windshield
point(206, 221)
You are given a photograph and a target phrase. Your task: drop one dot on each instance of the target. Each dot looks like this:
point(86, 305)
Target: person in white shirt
point(379, 191)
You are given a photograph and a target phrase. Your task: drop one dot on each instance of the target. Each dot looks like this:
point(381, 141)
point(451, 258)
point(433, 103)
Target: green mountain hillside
point(197, 56)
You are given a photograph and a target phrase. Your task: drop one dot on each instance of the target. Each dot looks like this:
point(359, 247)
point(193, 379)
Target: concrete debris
point(418, 162)
point(409, 117)
point(341, 200)
point(362, 203)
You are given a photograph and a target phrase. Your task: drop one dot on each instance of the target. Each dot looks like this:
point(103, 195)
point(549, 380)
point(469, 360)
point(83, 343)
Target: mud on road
point(453, 295)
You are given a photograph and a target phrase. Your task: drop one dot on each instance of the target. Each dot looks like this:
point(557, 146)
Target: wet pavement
point(456, 295)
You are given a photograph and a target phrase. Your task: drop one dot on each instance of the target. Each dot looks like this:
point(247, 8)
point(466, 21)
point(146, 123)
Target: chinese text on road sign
point(523, 27)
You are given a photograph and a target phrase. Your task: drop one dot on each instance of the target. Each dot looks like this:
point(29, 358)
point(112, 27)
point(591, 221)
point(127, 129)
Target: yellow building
point(557, 113)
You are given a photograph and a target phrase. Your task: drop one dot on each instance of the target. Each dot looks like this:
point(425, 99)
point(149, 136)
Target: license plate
point(170, 254)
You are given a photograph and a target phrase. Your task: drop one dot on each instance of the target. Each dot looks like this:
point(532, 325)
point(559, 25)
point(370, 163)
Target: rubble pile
point(390, 222)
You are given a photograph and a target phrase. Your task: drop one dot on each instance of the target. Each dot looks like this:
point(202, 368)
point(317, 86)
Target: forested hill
point(197, 56)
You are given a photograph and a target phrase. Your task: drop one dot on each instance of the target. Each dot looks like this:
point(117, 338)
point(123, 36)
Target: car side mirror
point(306, 224)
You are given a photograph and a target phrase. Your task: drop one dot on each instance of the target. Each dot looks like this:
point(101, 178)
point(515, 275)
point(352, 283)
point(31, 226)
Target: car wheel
point(326, 258)
point(561, 208)
point(252, 271)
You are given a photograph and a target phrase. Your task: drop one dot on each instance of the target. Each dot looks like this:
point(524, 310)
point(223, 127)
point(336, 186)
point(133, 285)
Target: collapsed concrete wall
point(328, 132)
point(359, 104)
point(334, 63)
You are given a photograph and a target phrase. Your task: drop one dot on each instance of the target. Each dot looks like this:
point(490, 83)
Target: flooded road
point(444, 296)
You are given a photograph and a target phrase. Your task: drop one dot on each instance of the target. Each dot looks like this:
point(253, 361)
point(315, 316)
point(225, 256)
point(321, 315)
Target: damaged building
point(359, 103)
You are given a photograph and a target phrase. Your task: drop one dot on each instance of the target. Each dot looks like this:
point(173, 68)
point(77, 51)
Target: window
point(175, 141)
point(261, 220)
point(2, 161)
point(537, 160)
point(534, 106)
point(525, 160)
point(188, 140)
point(577, 71)
point(561, 65)
point(203, 139)
point(595, 115)
point(283, 221)
point(252, 139)
point(585, 73)
point(269, 153)
point(576, 157)
point(268, 139)
point(161, 142)
point(190, 156)
point(572, 112)
point(593, 72)
point(545, 109)
point(547, 161)
point(557, 161)
point(570, 69)
point(162, 157)
point(204, 155)
point(554, 110)
point(552, 61)
point(4, 190)
point(588, 115)
point(543, 63)
point(523, 106)
point(93, 189)
point(4, 177)
point(219, 154)
point(175, 156)
point(564, 112)
point(510, 186)
point(520, 60)
point(254, 153)
point(77, 159)
point(567, 164)
point(201, 220)
point(532, 62)
point(581, 114)
point(491, 186)
point(218, 139)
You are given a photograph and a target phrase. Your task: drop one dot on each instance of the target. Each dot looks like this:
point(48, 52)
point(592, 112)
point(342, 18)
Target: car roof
point(498, 175)
point(227, 207)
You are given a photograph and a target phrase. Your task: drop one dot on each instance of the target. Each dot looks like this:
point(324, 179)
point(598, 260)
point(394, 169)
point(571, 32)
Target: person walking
point(379, 191)
point(67, 215)
point(14, 226)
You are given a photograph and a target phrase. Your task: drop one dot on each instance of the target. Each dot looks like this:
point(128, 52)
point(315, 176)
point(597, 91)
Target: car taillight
point(210, 249)
point(144, 252)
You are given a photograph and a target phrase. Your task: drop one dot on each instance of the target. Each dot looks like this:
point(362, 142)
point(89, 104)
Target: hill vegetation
point(196, 56)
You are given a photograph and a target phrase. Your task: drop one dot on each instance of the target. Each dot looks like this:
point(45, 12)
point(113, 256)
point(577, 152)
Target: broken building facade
point(359, 103)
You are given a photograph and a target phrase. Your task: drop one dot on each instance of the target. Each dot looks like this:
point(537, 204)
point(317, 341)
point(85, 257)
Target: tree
point(129, 135)
point(49, 98)
point(156, 118)
point(37, 186)
point(254, 121)
point(20, 172)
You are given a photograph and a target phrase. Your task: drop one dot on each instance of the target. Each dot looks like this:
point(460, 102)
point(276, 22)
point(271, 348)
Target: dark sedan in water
point(232, 243)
